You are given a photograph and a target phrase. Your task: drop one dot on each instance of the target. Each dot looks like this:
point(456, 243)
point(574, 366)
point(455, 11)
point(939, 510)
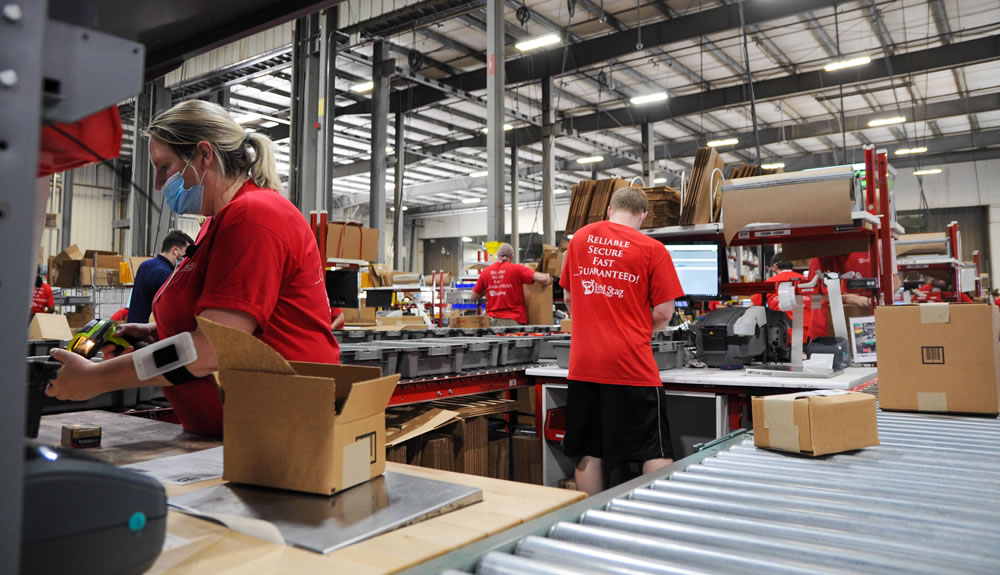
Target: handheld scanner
point(87, 341)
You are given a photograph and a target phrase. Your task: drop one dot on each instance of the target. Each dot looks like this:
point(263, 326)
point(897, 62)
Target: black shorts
point(616, 423)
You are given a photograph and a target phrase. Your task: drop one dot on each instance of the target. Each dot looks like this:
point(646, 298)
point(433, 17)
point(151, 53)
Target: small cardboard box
point(64, 269)
point(538, 301)
point(470, 321)
point(363, 316)
point(566, 325)
point(79, 318)
point(351, 242)
point(815, 422)
point(308, 427)
point(49, 326)
point(103, 259)
point(939, 357)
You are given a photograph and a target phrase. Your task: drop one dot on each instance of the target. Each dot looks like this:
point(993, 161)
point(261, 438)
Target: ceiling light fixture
point(774, 166)
point(649, 98)
point(725, 142)
point(908, 151)
point(506, 128)
point(466, 239)
point(853, 62)
point(560, 191)
point(927, 172)
point(471, 201)
point(590, 159)
point(886, 121)
point(659, 180)
point(363, 87)
point(481, 174)
point(539, 42)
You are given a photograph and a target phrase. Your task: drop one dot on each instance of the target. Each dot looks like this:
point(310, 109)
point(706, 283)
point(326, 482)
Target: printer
point(83, 516)
point(740, 335)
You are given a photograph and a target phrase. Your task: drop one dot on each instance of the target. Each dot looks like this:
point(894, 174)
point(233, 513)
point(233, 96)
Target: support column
point(548, 164)
point(994, 241)
point(515, 224)
point(648, 154)
point(381, 63)
point(302, 177)
point(150, 218)
point(397, 219)
point(494, 120)
point(66, 208)
point(326, 86)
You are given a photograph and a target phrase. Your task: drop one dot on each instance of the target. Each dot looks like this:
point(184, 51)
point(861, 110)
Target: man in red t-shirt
point(42, 300)
point(855, 265)
point(620, 286)
point(501, 284)
point(783, 272)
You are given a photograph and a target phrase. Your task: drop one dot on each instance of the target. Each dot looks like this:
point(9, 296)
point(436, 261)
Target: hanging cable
point(840, 76)
point(753, 100)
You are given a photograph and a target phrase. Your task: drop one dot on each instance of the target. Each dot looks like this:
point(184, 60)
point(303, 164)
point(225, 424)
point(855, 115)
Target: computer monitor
point(699, 267)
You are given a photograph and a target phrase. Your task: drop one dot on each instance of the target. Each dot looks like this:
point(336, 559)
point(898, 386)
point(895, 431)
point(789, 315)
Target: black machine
point(84, 516)
point(735, 336)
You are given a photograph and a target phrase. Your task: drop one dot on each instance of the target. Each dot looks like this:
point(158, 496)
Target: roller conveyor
point(925, 501)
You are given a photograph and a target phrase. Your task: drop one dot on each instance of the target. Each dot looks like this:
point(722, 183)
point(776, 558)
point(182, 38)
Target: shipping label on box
point(352, 242)
point(308, 427)
point(815, 422)
point(939, 357)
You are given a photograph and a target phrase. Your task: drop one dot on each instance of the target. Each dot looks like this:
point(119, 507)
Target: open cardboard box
point(309, 427)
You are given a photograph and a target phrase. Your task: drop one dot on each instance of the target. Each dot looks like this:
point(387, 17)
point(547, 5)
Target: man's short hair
point(505, 250)
point(175, 239)
point(631, 200)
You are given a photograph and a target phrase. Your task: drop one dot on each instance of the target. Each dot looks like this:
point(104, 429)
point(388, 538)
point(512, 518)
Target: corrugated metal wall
point(93, 208)
point(356, 11)
point(238, 51)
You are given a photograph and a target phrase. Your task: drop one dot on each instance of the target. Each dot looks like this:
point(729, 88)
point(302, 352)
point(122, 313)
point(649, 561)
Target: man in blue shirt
point(153, 273)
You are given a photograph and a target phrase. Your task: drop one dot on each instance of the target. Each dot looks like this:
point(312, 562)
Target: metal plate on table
point(326, 523)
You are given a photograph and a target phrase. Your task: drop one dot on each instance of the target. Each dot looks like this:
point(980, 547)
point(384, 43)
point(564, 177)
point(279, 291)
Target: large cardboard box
point(79, 318)
point(538, 301)
point(815, 422)
point(64, 269)
point(303, 426)
point(939, 357)
point(351, 242)
point(103, 259)
point(470, 321)
point(49, 326)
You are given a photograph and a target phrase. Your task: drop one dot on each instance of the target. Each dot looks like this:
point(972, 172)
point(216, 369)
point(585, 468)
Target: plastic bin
point(42, 347)
point(386, 358)
point(561, 349)
point(427, 357)
point(518, 349)
point(354, 335)
point(481, 353)
point(668, 354)
point(547, 351)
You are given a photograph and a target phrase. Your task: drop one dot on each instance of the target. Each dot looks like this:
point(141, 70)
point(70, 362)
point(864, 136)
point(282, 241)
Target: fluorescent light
point(590, 159)
point(247, 118)
point(886, 121)
point(834, 66)
point(726, 142)
point(466, 239)
point(506, 128)
point(393, 208)
point(471, 201)
point(649, 98)
point(927, 172)
point(659, 180)
point(907, 151)
point(541, 41)
point(560, 191)
point(481, 174)
point(363, 87)
point(775, 166)
point(569, 237)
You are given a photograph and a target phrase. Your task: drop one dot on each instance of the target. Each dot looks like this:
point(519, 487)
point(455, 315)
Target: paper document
point(183, 469)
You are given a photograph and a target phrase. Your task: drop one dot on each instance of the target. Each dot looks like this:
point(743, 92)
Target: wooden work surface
point(195, 546)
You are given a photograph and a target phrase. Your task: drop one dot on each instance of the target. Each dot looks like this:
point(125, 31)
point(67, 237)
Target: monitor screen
point(699, 267)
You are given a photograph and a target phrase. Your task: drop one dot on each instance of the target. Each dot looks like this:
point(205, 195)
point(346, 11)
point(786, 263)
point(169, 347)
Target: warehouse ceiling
point(931, 62)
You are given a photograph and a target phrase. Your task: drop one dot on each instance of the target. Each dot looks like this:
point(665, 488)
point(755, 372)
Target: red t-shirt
point(615, 276)
point(42, 298)
point(501, 282)
point(857, 265)
point(257, 255)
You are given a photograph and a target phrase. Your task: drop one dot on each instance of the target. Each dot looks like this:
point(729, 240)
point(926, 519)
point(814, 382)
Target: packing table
point(701, 406)
point(196, 546)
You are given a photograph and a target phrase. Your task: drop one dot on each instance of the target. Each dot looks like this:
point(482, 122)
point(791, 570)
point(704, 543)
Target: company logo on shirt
point(592, 287)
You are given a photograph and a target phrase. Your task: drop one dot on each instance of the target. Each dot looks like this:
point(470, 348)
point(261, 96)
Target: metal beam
point(305, 113)
point(495, 120)
point(587, 53)
point(66, 208)
point(548, 163)
point(397, 216)
point(515, 239)
point(381, 72)
point(327, 89)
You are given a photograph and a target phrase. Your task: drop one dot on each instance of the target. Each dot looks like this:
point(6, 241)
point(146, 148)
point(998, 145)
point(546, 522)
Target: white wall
point(474, 223)
point(959, 185)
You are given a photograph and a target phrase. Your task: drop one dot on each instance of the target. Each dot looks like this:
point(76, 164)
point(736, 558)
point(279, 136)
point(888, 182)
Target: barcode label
point(932, 354)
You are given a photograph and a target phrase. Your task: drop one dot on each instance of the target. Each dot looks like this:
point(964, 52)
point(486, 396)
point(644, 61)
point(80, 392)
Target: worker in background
point(782, 272)
point(996, 297)
point(153, 273)
point(855, 265)
point(338, 317)
point(620, 286)
point(42, 300)
point(255, 267)
point(501, 284)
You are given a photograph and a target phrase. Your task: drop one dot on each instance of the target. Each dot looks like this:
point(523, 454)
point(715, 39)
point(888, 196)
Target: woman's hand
point(76, 380)
point(145, 332)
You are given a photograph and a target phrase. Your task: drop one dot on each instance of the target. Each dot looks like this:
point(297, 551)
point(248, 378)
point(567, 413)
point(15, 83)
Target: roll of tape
point(786, 296)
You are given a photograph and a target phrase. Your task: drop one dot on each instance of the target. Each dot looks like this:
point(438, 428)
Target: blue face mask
point(180, 199)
